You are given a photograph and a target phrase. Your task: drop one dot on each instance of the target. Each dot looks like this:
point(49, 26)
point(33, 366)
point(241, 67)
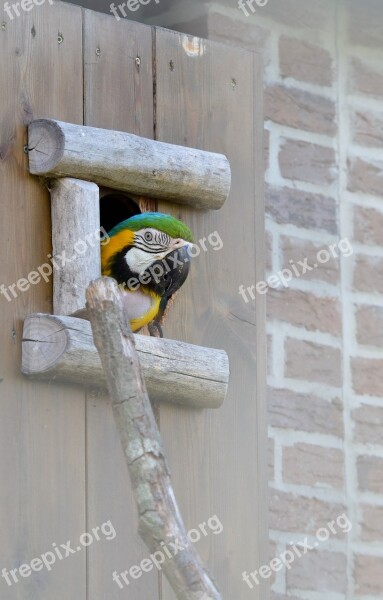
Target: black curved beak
point(169, 275)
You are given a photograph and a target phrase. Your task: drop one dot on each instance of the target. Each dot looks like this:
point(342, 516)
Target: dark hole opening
point(116, 207)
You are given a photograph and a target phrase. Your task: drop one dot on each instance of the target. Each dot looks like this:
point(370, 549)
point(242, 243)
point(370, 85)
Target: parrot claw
point(155, 329)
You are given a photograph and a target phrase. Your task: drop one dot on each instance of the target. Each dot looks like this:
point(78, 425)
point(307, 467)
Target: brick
point(269, 354)
point(296, 514)
point(366, 376)
point(305, 62)
point(304, 412)
point(271, 458)
point(368, 226)
point(249, 35)
point(297, 13)
point(266, 148)
point(368, 274)
point(308, 464)
point(269, 251)
point(313, 362)
point(366, 80)
point(304, 309)
point(370, 474)
point(282, 597)
point(368, 424)
point(366, 177)
point(369, 325)
point(371, 524)
point(302, 209)
point(300, 109)
point(368, 129)
point(365, 23)
point(307, 162)
point(319, 571)
point(272, 554)
point(369, 575)
point(295, 249)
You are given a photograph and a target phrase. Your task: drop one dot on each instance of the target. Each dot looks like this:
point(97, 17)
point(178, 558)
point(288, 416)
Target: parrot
point(149, 257)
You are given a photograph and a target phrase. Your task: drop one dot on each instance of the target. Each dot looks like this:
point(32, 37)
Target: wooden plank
point(129, 163)
point(42, 450)
point(205, 99)
point(119, 96)
point(61, 348)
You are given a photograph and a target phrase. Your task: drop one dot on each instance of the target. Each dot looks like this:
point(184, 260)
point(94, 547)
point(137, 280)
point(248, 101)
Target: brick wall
point(324, 183)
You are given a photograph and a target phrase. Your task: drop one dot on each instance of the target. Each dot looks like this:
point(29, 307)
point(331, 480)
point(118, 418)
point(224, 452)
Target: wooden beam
point(76, 242)
point(160, 521)
point(62, 349)
point(129, 163)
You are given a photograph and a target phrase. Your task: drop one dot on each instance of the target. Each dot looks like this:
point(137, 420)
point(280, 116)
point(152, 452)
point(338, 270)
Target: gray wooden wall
point(62, 470)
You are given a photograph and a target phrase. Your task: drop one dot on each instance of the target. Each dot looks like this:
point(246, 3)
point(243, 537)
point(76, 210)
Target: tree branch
point(159, 516)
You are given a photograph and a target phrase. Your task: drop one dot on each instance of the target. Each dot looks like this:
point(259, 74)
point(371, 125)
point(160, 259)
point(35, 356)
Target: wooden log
point(129, 163)
point(160, 521)
point(62, 349)
point(76, 242)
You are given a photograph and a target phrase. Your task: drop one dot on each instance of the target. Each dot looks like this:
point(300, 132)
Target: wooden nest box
point(76, 160)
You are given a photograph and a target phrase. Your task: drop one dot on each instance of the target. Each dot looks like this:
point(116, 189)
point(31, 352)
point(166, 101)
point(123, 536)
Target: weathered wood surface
point(62, 349)
point(113, 73)
point(75, 240)
point(128, 162)
point(213, 99)
point(42, 442)
point(160, 521)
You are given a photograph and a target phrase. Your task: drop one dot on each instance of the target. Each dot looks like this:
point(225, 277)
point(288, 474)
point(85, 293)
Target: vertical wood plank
point(205, 99)
point(119, 95)
point(42, 426)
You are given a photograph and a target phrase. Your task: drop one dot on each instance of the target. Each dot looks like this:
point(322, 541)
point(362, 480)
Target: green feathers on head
point(165, 223)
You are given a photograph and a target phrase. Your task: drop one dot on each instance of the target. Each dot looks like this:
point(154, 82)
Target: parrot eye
point(148, 236)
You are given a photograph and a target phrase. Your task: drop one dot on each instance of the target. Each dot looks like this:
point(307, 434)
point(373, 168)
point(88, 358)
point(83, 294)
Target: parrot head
point(148, 255)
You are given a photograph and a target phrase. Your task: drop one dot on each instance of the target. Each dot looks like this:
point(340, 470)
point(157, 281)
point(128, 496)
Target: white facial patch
point(139, 261)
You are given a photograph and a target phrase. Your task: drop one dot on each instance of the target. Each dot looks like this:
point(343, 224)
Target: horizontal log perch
point(129, 163)
point(62, 349)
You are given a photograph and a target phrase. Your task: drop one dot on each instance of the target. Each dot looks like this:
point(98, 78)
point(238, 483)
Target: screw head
point(98, 51)
point(138, 61)
point(60, 38)
point(233, 83)
point(3, 25)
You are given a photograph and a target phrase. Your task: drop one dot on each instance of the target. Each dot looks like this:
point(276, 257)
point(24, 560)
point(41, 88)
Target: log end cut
point(45, 341)
point(46, 143)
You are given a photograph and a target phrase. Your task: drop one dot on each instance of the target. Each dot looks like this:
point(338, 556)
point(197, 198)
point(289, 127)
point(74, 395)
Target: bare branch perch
point(159, 517)
point(129, 163)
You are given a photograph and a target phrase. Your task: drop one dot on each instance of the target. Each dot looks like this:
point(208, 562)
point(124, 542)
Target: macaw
point(149, 257)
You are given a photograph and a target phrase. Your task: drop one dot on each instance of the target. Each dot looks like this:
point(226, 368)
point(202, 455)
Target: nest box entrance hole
point(116, 207)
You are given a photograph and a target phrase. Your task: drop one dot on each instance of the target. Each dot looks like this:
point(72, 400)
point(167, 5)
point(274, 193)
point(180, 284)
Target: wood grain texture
point(130, 163)
point(209, 96)
point(42, 444)
point(62, 349)
point(118, 96)
point(160, 522)
point(76, 242)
